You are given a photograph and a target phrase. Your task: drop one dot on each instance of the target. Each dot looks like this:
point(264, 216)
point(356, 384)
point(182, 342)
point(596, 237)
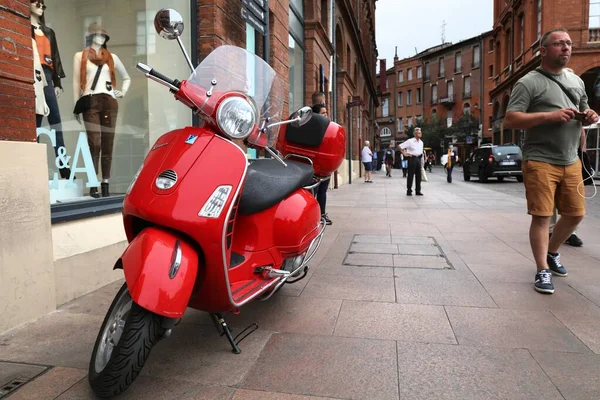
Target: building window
point(419, 72)
point(467, 108)
point(409, 74)
point(476, 56)
point(419, 96)
point(296, 54)
point(441, 70)
point(539, 18)
point(491, 45)
point(450, 90)
point(594, 14)
point(325, 14)
point(401, 76)
point(449, 118)
point(77, 172)
point(400, 99)
point(467, 88)
point(491, 71)
point(434, 94)
point(521, 34)
point(400, 126)
point(385, 107)
point(427, 72)
point(458, 62)
point(409, 98)
point(409, 121)
point(419, 120)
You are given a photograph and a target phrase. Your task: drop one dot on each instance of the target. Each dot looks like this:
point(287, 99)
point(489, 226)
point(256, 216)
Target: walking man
point(412, 150)
point(551, 104)
point(389, 160)
point(366, 156)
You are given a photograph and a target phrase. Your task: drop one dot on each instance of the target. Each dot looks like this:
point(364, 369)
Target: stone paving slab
point(60, 339)
point(377, 239)
point(156, 389)
point(575, 375)
point(414, 261)
point(243, 394)
point(534, 330)
point(351, 288)
point(387, 321)
point(584, 323)
point(51, 384)
point(374, 248)
point(196, 353)
point(440, 287)
point(435, 371)
point(335, 367)
point(418, 249)
point(410, 240)
point(307, 315)
point(369, 260)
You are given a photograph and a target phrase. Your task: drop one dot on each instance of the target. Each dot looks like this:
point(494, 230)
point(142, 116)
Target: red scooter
point(207, 228)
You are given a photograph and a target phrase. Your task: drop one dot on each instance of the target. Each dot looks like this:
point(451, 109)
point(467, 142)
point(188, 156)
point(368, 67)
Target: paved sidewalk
point(409, 297)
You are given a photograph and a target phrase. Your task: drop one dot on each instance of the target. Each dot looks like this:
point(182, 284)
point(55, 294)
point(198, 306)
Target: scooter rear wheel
point(123, 345)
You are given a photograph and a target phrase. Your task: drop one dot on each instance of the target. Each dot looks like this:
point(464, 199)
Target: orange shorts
point(548, 186)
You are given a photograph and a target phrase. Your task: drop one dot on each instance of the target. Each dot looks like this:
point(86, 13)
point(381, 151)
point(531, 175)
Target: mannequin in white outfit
point(101, 118)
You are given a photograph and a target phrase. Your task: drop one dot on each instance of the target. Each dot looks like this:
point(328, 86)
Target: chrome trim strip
point(227, 215)
point(175, 260)
point(292, 155)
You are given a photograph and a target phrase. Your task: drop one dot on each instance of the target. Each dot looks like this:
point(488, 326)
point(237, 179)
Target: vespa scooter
point(207, 228)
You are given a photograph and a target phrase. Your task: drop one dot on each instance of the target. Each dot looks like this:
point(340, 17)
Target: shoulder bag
point(85, 102)
point(587, 172)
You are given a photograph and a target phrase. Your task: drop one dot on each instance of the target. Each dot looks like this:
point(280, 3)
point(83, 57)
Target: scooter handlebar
point(158, 77)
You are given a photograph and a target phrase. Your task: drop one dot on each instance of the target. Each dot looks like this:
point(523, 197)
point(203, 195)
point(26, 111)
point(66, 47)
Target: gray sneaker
point(555, 265)
point(543, 282)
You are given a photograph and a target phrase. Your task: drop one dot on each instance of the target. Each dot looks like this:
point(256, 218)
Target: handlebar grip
point(146, 69)
point(158, 75)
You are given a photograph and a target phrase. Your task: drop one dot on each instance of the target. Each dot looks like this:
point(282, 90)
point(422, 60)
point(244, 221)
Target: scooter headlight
point(236, 117)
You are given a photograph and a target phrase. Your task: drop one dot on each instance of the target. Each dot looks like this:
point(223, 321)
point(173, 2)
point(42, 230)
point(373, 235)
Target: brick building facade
point(442, 82)
point(518, 27)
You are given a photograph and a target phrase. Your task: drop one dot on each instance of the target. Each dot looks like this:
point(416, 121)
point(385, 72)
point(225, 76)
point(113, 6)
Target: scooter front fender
point(160, 269)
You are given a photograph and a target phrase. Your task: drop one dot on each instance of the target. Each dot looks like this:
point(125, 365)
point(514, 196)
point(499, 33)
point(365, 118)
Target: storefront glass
point(96, 153)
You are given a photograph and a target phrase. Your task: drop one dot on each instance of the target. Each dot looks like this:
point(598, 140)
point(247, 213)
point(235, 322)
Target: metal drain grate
point(11, 386)
point(396, 252)
point(15, 375)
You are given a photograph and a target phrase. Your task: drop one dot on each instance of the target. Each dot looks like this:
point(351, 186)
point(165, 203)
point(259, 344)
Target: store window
point(96, 154)
point(296, 53)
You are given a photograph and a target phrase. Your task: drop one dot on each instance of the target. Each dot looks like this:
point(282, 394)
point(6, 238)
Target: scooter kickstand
point(223, 329)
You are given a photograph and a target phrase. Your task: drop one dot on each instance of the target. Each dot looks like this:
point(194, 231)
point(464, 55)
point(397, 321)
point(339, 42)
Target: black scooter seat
point(268, 182)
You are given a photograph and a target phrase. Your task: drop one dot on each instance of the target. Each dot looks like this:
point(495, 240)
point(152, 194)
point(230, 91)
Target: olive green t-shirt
point(554, 143)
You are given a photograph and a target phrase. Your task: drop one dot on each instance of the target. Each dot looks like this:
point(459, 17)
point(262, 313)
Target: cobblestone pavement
point(408, 298)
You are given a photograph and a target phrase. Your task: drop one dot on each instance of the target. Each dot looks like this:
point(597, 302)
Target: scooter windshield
point(237, 70)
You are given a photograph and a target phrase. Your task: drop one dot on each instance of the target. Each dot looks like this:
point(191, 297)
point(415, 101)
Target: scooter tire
point(141, 332)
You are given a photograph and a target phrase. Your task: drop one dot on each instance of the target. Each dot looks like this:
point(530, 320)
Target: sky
point(418, 23)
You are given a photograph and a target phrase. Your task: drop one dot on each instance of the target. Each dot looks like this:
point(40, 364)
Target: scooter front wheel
point(123, 345)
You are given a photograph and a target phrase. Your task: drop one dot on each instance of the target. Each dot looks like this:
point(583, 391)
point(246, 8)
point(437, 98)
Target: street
point(408, 298)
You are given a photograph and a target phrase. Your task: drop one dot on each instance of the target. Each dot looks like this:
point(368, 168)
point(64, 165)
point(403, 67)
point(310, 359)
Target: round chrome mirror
point(302, 116)
point(168, 23)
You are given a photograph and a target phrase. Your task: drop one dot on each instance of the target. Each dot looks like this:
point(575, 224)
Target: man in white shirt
point(412, 150)
point(366, 156)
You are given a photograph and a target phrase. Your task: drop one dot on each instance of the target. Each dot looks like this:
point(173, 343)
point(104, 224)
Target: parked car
point(494, 161)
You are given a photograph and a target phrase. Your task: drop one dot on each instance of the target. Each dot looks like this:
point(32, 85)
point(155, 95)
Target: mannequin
point(52, 71)
point(39, 83)
point(101, 118)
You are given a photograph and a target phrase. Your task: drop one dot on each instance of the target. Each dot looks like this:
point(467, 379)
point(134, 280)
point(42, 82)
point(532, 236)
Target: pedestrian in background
point(321, 191)
point(366, 156)
point(551, 103)
point(451, 161)
point(374, 162)
point(389, 160)
point(403, 162)
point(412, 150)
